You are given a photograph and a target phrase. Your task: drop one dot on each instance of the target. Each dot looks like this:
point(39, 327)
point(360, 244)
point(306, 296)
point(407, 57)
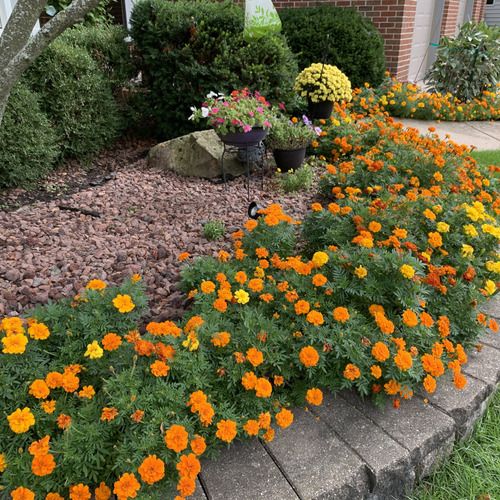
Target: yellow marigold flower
point(12, 325)
point(320, 259)
point(429, 214)
point(38, 331)
point(490, 287)
point(96, 285)
point(361, 272)
point(94, 350)
point(241, 296)
point(467, 250)
point(123, 303)
point(493, 267)
point(14, 344)
point(21, 420)
point(442, 227)
point(407, 271)
point(471, 231)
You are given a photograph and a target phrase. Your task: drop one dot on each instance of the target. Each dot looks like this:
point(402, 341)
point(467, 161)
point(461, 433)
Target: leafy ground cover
point(486, 158)
point(375, 289)
point(473, 469)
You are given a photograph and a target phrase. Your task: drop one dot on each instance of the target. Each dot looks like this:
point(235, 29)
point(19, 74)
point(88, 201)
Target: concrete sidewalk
point(347, 449)
point(482, 135)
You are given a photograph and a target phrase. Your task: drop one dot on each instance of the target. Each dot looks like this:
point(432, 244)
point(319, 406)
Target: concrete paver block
point(484, 365)
point(245, 471)
point(317, 462)
point(389, 464)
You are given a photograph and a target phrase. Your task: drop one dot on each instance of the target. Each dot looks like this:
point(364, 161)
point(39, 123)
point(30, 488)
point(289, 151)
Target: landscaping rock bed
point(136, 221)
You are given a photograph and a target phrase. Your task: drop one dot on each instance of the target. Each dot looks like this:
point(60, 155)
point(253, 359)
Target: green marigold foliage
point(77, 98)
point(469, 64)
point(376, 290)
point(338, 36)
point(188, 49)
point(28, 146)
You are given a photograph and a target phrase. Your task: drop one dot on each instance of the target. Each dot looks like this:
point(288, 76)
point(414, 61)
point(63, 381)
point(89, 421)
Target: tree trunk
point(18, 48)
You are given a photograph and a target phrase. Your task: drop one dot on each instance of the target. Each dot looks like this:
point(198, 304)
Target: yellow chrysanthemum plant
point(323, 82)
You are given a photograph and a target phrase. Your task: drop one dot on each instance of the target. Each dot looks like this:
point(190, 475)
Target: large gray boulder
point(196, 155)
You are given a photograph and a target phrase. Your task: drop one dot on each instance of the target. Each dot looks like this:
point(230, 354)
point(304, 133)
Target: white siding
point(492, 13)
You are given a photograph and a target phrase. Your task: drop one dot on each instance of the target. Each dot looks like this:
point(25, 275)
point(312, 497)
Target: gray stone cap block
point(484, 365)
point(492, 307)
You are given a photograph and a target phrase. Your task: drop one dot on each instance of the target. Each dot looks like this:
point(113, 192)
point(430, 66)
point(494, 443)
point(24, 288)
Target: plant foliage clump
point(188, 49)
point(337, 36)
point(469, 64)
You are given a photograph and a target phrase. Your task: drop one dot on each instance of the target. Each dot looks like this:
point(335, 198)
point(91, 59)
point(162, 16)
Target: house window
point(489, 2)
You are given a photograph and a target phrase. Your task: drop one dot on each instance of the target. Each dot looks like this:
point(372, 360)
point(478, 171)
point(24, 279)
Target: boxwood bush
point(188, 49)
point(338, 36)
point(28, 146)
point(77, 97)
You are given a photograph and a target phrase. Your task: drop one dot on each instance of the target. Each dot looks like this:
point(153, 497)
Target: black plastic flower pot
point(244, 139)
point(289, 159)
point(319, 110)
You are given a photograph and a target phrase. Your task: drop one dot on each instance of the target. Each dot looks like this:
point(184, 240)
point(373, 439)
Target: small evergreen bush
point(337, 36)
point(188, 49)
point(28, 145)
point(77, 97)
point(469, 64)
point(214, 230)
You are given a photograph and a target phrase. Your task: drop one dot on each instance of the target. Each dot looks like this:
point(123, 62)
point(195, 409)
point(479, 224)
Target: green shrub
point(77, 98)
point(188, 49)
point(296, 180)
point(214, 230)
point(28, 145)
point(338, 36)
point(469, 64)
point(105, 43)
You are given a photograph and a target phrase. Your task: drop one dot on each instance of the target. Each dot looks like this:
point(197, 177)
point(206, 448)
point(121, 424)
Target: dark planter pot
point(244, 139)
point(318, 110)
point(288, 159)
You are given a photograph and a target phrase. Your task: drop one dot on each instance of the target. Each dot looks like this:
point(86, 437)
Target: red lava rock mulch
point(146, 218)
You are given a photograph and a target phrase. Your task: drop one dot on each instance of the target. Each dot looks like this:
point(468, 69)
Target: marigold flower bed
point(377, 289)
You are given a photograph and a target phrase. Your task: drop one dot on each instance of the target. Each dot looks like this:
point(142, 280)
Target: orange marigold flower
point(21, 420)
point(392, 387)
point(432, 365)
point(221, 339)
point(108, 414)
point(434, 239)
point(87, 392)
point(254, 356)
point(183, 256)
point(249, 380)
point(40, 447)
point(63, 421)
point(265, 420)
point(316, 207)
point(22, 493)
point(198, 445)
point(429, 384)
point(159, 368)
point(302, 307)
point(284, 418)
point(278, 380)
point(319, 280)
point(14, 344)
point(403, 360)
point(309, 356)
point(186, 486)
point(426, 319)
point(207, 286)
point(152, 469)
point(380, 351)
point(315, 318)
point(341, 314)
point(95, 285)
point(38, 331)
point(263, 388)
point(256, 285)
point(79, 492)
point(251, 224)
point(251, 427)
point(176, 438)
point(188, 466)
point(39, 389)
point(137, 416)
point(102, 492)
point(70, 381)
point(206, 414)
point(240, 277)
point(376, 371)
point(226, 430)
point(374, 226)
point(53, 380)
point(220, 305)
point(43, 464)
point(56, 496)
point(459, 380)
point(351, 372)
point(126, 486)
point(123, 303)
point(111, 341)
point(314, 396)
point(410, 319)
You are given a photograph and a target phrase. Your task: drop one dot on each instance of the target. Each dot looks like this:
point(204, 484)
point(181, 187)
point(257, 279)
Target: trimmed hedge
point(353, 45)
point(28, 145)
point(188, 49)
point(77, 98)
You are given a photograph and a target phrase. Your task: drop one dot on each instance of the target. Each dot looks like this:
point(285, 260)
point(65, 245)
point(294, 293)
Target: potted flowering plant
point(289, 139)
point(241, 119)
point(322, 85)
